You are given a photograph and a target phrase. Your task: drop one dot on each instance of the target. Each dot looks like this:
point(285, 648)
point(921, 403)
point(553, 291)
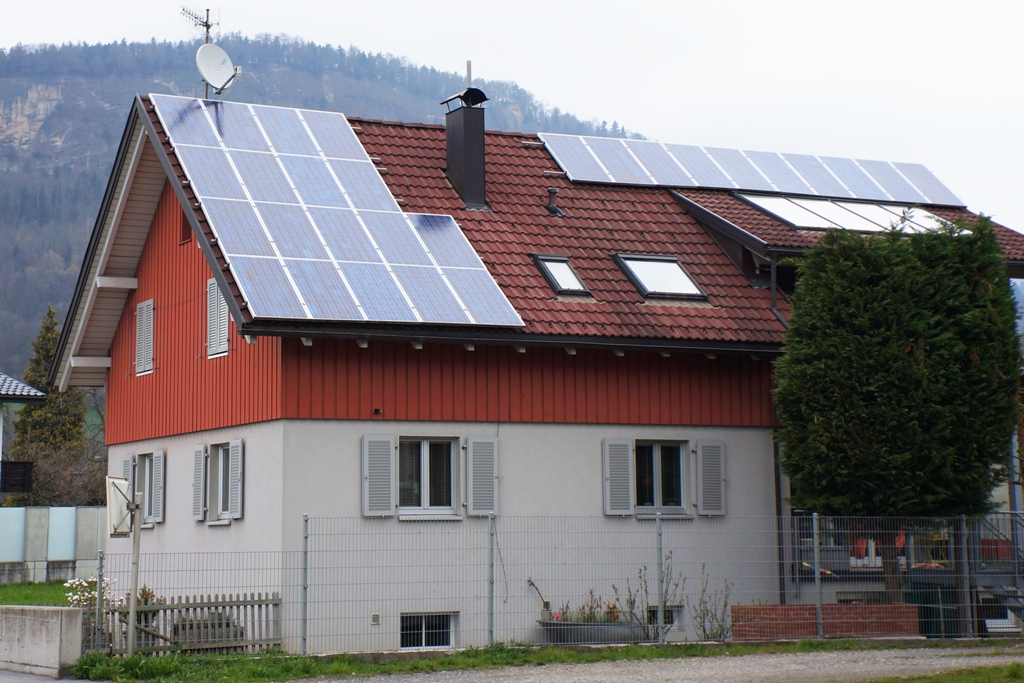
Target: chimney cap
point(470, 97)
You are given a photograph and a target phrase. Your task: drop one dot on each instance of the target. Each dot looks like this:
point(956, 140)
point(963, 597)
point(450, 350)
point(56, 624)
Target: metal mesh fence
point(370, 585)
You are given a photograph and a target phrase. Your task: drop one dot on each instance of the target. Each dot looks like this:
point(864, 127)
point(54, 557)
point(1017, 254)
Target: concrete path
point(816, 667)
point(12, 677)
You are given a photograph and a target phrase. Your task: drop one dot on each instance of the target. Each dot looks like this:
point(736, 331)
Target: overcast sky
point(934, 82)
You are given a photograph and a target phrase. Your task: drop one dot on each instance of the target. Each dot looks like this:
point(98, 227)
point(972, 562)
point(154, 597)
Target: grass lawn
point(53, 593)
point(281, 667)
point(984, 674)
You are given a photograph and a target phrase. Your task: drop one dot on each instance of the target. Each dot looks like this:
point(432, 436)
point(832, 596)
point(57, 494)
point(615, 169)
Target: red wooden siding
point(336, 379)
point(185, 392)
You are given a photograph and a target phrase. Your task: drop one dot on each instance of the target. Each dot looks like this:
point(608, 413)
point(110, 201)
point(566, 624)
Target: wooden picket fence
point(246, 622)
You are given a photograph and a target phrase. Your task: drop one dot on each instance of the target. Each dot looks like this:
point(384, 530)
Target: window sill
point(148, 525)
point(143, 374)
point(219, 522)
point(428, 517)
point(217, 355)
point(653, 514)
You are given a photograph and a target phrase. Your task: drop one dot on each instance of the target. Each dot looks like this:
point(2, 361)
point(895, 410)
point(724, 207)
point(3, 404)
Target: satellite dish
point(215, 67)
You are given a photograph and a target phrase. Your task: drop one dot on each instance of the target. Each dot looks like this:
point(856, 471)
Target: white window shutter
point(222, 322)
point(144, 337)
point(140, 339)
point(710, 478)
point(379, 476)
point(216, 320)
point(157, 463)
point(211, 318)
point(199, 483)
point(619, 473)
point(236, 478)
point(482, 475)
point(126, 470)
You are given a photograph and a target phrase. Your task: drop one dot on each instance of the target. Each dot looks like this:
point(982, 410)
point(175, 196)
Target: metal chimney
point(465, 145)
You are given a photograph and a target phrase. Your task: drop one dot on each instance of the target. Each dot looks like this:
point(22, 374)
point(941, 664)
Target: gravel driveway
point(815, 667)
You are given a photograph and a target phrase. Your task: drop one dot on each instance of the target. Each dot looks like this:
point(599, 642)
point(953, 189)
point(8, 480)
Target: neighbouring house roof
point(13, 391)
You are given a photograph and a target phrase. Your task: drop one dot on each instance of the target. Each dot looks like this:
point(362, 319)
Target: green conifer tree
point(897, 388)
point(52, 436)
point(59, 422)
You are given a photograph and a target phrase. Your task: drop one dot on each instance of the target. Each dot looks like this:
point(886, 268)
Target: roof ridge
point(435, 126)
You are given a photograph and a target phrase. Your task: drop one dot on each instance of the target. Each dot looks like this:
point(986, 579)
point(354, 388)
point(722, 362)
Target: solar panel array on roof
point(310, 229)
point(820, 214)
point(642, 162)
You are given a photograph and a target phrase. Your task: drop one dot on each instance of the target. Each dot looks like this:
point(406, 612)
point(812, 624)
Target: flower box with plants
point(629, 618)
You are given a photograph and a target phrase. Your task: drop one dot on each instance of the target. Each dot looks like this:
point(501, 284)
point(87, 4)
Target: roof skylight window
point(659, 276)
point(560, 274)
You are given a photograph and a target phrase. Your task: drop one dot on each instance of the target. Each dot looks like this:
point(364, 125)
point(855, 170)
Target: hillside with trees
point(63, 108)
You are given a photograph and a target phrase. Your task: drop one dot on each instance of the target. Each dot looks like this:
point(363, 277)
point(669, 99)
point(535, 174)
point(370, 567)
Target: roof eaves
point(459, 335)
point(94, 241)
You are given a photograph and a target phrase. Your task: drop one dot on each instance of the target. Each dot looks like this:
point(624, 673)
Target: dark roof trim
point(710, 219)
point(291, 328)
point(93, 246)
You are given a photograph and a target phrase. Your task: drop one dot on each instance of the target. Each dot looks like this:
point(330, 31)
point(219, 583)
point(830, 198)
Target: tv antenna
point(213, 63)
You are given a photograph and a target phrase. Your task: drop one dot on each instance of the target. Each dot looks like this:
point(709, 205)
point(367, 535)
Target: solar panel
point(815, 173)
point(739, 168)
point(659, 163)
point(890, 179)
point(575, 158)
point(788, 211)
point(873, 212)
point(607, 160)
point(268, 288)
point(699, 165)
point(931, 186)
point(325, 292)
point(779, 172)
point(620, 163)
point(837, 215)
point(860, 184)
point(309, 228)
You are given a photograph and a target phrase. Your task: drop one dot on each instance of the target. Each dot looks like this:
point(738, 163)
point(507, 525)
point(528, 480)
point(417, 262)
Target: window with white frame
point(659, 276)
point(216, 321)
point(423, 631)
point(147, 480)
point(420, 476)
point(426, 474)
point(661, 476)
point(218, 482)
point(560, 274)
point(647, 477)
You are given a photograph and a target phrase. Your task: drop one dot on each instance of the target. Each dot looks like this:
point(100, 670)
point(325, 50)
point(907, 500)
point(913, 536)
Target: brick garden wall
point(777, 622)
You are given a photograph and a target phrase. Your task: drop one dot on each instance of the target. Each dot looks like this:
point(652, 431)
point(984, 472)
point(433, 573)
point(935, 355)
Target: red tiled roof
point(599, 221)
point(781, 236)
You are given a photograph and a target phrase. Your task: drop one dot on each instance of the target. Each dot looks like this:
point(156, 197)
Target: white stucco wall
point(543, 469)
point(260, 529)
point(550, 527)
